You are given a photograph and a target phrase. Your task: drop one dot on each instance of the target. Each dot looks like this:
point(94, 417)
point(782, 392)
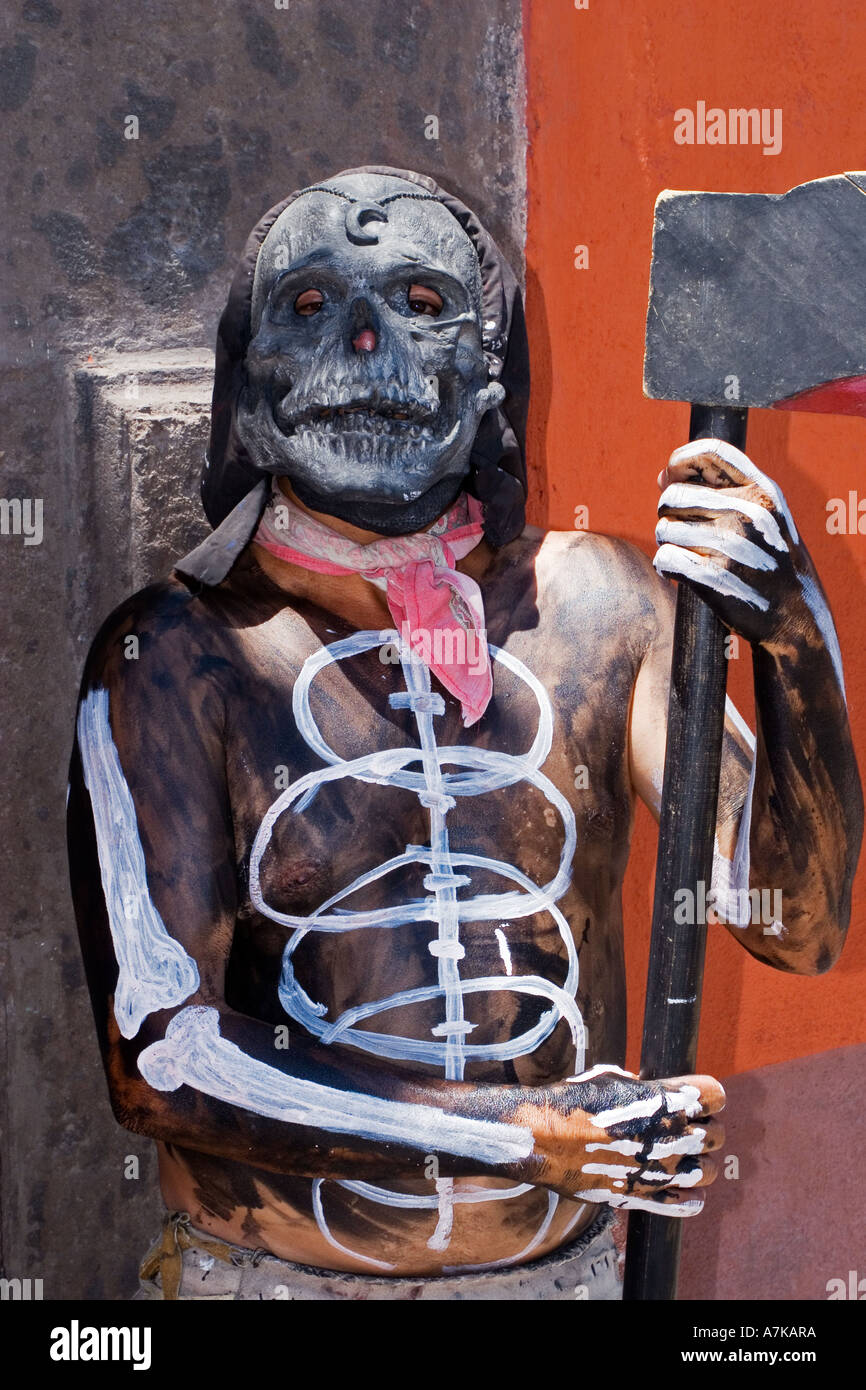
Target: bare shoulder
point(603, 587)
point(174, 636)
point(160, 619)
point(605, 572)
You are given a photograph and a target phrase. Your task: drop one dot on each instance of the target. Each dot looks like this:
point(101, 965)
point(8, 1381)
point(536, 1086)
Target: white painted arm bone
point(154, 971)
point(194, 1053)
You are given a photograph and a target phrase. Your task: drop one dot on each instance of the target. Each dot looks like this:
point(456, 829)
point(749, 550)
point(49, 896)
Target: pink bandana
point(438, 611)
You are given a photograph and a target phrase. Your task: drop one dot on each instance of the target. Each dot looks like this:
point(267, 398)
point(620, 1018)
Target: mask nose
point(363, 327)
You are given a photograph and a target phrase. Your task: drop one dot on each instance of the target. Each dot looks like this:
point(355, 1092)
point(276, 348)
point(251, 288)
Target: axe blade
point(760, 299)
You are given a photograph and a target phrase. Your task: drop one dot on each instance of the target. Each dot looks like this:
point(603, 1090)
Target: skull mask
point(366, 376)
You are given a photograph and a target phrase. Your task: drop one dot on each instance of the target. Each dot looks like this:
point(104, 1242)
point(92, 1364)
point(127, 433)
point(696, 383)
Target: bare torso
point(571, 638)
point(326, 925)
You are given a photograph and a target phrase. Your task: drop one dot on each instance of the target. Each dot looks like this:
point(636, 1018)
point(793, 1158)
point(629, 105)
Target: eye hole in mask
point(423, 300)
point(309, 302)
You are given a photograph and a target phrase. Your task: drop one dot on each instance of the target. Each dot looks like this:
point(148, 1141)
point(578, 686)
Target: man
point(348, 836)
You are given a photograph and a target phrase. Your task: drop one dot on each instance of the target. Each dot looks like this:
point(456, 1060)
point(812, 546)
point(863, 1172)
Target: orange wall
point(603, 85)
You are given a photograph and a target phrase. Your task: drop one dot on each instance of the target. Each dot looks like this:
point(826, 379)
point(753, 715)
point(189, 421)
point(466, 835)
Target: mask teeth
point(359, 439)
point(417, 409)
point(360, 424)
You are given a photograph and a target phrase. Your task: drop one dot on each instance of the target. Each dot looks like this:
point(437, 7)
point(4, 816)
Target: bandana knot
point(438, 612)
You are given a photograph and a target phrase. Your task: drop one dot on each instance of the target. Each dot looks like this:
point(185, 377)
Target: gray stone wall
point(116, 257)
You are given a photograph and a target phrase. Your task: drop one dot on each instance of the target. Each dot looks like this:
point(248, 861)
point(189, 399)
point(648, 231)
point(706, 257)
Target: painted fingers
point(642, 1145)
point(726, 528)
point(718, 464)
point(654, 1151)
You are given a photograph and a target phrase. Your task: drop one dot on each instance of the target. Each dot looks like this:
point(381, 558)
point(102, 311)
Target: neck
point(349, 595)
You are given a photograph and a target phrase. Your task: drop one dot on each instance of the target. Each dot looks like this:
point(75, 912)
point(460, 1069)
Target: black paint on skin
point(212, 690)
point(222, 1187)
point(203, 719)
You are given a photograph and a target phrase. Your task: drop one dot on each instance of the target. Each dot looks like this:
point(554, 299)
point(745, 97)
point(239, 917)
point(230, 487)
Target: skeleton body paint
point(437, 790)
point(349, 956)
point(341, 923)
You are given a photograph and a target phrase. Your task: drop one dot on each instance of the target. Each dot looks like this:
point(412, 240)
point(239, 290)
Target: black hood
point(497, 474)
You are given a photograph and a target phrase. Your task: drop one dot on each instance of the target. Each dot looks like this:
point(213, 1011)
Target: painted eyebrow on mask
point(314, 257)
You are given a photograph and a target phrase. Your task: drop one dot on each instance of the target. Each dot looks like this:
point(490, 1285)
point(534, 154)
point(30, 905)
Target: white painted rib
point(478, 771)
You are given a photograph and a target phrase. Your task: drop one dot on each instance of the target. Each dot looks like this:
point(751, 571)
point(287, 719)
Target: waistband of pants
point(165, 1258)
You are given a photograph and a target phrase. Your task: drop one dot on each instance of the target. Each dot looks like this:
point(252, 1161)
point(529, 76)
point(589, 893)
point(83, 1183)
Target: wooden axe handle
point(687, 823)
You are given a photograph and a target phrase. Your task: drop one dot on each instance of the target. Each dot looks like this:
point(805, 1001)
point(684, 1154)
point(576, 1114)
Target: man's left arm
point(790, 814)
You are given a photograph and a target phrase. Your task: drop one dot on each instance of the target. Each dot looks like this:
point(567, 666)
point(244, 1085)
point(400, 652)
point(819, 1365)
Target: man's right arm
point(153, 864)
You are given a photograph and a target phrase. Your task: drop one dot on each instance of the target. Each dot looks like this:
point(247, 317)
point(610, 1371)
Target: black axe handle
point(687, 822)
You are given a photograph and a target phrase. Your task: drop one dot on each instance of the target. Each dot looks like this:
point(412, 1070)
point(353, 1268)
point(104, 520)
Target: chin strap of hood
point(497, 476)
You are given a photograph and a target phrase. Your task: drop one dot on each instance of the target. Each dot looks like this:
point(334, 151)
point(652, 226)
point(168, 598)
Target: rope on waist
point(165, 1258)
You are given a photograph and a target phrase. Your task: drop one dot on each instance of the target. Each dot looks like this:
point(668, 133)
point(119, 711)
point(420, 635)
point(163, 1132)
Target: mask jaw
point(400, 519)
